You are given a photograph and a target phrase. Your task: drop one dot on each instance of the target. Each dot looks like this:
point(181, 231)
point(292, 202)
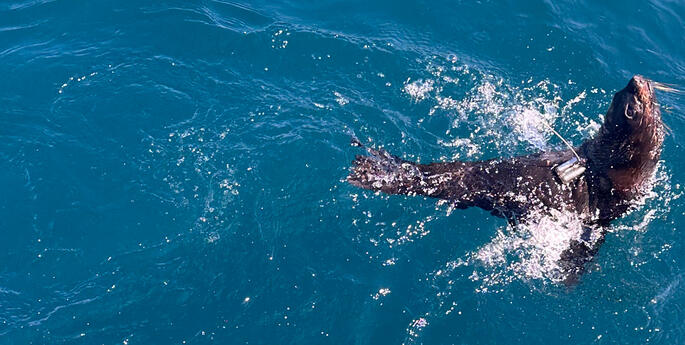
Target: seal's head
point(634, 110)
point(627, 148)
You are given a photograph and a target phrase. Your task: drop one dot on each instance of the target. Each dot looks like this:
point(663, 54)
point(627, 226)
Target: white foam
point(418, 90)
point(340, 99)
point(528, 124)
point(533, 249)
point(501, 114)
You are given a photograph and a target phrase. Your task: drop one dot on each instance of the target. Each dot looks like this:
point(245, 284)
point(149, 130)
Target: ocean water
point(172, 172)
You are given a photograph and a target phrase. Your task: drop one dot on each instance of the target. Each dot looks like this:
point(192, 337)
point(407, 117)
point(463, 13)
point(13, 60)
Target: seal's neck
point(627, 156)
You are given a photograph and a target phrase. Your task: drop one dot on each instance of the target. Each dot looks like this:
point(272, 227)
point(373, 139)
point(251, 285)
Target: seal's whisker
point(666, 87)
point(667, 129)
point(666, 84)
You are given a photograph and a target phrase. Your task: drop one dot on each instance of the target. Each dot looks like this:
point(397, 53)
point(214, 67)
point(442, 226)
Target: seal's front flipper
point(494, 185)
point(574, 259)
point(381, 171)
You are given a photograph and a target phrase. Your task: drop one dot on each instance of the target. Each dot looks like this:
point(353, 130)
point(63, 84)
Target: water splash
point(189, 154)
point(502, 114)
point(418, 90)
point(530, 250)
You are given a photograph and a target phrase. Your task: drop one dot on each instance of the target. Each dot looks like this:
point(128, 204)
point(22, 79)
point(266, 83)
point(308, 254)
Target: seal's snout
point(637, 81)
point(641, 87)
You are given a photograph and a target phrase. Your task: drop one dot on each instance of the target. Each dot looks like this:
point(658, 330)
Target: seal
point(599, 180)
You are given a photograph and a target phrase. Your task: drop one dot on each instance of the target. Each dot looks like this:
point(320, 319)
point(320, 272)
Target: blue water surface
point(172, 172)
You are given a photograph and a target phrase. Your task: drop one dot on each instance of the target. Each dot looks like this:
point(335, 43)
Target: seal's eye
point(633, 109)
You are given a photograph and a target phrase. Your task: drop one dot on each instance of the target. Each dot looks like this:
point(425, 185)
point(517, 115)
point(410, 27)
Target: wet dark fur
point(619, 160)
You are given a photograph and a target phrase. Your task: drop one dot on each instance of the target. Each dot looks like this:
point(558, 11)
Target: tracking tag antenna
point(572, 168)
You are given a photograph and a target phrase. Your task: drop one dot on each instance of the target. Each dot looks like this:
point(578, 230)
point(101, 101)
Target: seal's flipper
point(574, 259)
point(494, 185)
point(381, 171)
